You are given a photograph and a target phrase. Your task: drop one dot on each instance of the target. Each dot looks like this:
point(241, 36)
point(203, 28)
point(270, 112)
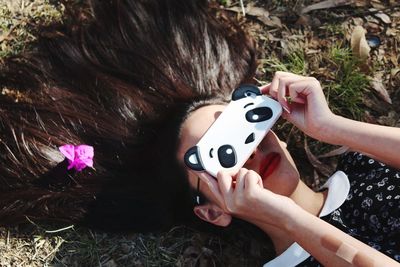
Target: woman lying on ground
point(359, 203)
point(129, 82)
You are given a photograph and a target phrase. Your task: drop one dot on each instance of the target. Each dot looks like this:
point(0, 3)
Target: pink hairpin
point(79, 157)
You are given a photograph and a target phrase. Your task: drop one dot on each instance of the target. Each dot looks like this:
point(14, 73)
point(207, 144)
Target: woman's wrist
point(288, 219)
point(294, 220)
point(331, 130)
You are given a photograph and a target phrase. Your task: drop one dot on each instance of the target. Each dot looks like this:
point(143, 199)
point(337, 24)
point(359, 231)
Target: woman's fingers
point(225, 183)
point(273, 88)
point(252, 180)
point(240, 179)
point(265, 89)
point(279, 88)
point(310, 91)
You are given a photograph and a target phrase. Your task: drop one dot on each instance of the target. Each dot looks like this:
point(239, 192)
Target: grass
point(341, 76)
point(294, 61)
point(345, 93)
point(18, 19)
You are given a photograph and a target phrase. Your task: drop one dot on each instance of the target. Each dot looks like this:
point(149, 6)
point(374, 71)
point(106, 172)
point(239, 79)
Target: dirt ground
point(353, 49)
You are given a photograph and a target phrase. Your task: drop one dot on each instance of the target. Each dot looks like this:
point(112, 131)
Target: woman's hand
point(307, 107)
point(244, 196)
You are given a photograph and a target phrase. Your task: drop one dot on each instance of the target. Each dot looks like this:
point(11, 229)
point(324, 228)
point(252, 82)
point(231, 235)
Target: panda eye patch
point(249, 104)
point(227, 156)
point(250, 94)
point(259, 114)
point(211, 153)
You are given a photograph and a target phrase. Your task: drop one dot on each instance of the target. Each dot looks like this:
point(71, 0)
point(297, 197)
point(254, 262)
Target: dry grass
point(19, 17)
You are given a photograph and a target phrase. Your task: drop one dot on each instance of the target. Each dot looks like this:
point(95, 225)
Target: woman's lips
point(269, 164)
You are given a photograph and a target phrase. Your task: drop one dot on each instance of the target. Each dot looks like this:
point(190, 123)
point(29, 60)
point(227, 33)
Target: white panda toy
point(233, 137)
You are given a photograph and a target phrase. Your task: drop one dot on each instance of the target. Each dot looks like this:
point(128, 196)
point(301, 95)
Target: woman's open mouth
point(269, 164)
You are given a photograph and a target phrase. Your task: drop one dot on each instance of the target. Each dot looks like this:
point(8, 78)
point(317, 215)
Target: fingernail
point(264, 86)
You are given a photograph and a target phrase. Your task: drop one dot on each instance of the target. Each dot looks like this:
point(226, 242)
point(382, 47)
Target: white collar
point(338, 188)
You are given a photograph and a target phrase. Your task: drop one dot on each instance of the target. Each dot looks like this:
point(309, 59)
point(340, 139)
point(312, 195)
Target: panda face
point(232, 138)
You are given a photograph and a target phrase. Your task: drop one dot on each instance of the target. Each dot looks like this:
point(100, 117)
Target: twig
point(326, 4)
point(59, 230)
point(243, 9)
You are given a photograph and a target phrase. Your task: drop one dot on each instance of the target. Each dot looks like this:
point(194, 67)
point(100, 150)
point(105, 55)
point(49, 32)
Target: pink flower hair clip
point(79, 157)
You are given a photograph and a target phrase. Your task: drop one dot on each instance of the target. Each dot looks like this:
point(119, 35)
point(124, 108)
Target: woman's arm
point(329, 245)
point(379, 142)
point(309, 111)
point(247, 199)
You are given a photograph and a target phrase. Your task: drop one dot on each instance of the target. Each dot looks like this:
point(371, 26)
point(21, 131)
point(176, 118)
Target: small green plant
point(334, 29)
point(271, 65)
point(295, 62)
point(345, 92)
point(225, 2)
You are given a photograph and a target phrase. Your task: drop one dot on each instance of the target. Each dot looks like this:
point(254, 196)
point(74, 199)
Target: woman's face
point(270, 160)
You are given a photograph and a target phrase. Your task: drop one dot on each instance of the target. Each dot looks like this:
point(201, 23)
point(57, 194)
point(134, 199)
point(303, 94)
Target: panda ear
point(245, 91)
point(192, 159)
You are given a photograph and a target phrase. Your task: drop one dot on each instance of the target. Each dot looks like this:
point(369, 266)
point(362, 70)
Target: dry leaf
point(338, 151)
point(391, 119)
point(325, 5)
point(372, 19)
point(359, 45)
point(321, 167)
point(395, 78)
point(378, 86)
point(259, 13)
point(392, 32)
point(358, 21)
point(383, 17)
point(373, 27)
point(304, 20)
point(394, 59)
point(275, 21)
point(377, 4)
point(360, 3)
point(307, 20)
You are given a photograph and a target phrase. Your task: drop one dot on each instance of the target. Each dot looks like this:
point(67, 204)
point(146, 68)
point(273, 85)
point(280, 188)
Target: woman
point(127, 82)
point(267, 192)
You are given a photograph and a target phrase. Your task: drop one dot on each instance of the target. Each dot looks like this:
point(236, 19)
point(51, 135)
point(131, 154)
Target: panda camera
point(249, 115)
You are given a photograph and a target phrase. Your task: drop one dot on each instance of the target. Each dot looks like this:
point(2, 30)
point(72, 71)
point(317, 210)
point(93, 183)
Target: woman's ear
point(212, 213)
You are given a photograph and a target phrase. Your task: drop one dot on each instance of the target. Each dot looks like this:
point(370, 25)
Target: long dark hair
point(120, 81)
